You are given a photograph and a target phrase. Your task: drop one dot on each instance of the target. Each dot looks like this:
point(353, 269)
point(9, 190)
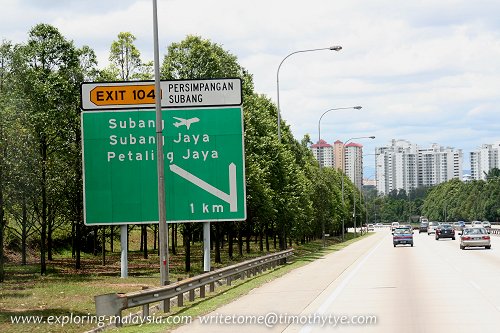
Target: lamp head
point(372, 137)
point(336, 48)
point(357, 107)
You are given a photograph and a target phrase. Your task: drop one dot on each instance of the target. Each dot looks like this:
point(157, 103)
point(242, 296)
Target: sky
point(423, 70)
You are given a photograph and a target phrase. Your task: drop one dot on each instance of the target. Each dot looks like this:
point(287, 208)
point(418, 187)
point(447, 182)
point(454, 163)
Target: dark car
point(423, 227)
point(445, 231)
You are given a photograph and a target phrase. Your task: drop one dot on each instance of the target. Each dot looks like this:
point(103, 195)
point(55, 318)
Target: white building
point(323, 152)
point(484, 159)
point(404, 165)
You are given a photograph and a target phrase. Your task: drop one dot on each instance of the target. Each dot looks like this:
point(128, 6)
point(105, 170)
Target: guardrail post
point(145, 307)
point(212, 287)
point(191, 295)
point(202, 291)
point(180, 300)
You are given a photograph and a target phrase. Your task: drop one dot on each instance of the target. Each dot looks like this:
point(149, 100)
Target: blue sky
point(424, 71)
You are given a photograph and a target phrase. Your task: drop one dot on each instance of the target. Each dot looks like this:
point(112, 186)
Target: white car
point(475, 237)
point(431, 228)
point(394, 225)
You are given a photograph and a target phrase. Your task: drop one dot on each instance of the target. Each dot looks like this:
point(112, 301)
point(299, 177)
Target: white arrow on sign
point(231, 198)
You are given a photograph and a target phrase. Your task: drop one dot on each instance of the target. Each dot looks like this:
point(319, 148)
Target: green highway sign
point(204, 165)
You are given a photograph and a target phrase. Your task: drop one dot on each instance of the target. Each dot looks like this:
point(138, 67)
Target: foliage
point(289, 198)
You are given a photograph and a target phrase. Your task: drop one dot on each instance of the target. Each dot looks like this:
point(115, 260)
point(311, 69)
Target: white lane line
point(475, 285)
point(328, 302)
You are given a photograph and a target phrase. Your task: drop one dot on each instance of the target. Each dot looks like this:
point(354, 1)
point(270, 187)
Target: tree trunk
point(43, 236)
point(230, 240)
point(23, 233)
point(96, 230)
point(249, 236)
point(174, 239)
point(145, 241)
point(2, 226)
point(78, 263)
point(267, 239)
point(240, 240)
point(73, 238)
point(103, 245)
point(187, 246)
point(50, 229)
point(111, 238)
point(217, 244)
point(155, 234)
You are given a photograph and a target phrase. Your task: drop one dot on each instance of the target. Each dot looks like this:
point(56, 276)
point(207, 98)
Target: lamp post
point(331, 48)
point(342, 178)
point(320, 154)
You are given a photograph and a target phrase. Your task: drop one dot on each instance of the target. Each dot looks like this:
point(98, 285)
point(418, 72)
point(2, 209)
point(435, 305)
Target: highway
point(430, 287)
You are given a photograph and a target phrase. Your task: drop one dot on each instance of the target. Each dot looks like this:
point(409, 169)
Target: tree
point(5, 76)
point(44, 71)
point(126, 60)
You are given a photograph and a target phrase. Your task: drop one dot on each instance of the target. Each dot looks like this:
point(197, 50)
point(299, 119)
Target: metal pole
point(332, 48)
point(206, 246)
point(320, 161)
point(162, 213)
point(123, 250)
point(343, 172)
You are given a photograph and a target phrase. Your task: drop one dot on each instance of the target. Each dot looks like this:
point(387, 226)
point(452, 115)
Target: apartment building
point(353, 160)
point(348, 158)
point(404, 165)
point(484, 159)
point(323, 152)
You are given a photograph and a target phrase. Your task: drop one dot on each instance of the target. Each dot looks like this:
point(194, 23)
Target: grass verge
point(65, 291)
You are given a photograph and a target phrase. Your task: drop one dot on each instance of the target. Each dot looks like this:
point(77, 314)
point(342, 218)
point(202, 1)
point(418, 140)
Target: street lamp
point(319, 125)
point(331, 48)
point(342, 177)
point(320, 154)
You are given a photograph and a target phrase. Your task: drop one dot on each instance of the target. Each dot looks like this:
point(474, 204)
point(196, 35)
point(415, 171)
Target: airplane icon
point(185, 122)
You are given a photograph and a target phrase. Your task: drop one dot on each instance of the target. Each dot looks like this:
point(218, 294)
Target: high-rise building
point(338, 155)
point(348, 158)
point(404, 165)
point(353, 159)
point(484, 159)
point(323, 152)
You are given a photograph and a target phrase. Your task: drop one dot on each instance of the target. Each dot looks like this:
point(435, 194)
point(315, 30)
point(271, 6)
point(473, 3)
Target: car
point(487, 225)
point(445, 231)
point(459, 226)
point(402, 236)
point(423, 227)
point(379, 225)
point(475, 237)
point(371, 227)
point(431, 228)
point(394, 225)
point(476, 224)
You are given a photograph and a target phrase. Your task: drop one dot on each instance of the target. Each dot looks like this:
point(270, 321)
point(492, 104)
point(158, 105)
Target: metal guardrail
point(113, 304)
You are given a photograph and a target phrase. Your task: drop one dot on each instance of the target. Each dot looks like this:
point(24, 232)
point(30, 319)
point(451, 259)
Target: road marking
point(328, 302)
point(231, 198)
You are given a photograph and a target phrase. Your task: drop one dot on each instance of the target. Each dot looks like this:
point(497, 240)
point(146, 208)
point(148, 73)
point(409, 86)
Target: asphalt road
point(430, 287)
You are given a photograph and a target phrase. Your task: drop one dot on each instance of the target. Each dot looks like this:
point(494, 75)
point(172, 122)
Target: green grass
point(65, 290)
